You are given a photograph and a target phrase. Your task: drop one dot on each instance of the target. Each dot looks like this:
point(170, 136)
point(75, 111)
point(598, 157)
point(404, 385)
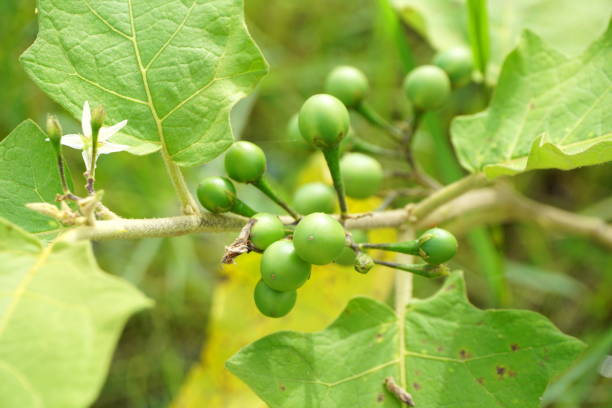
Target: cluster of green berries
point(315, 237)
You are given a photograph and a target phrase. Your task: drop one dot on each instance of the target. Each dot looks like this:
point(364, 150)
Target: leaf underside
point(60, 317)
point(173, 68)
point(453, 354)
point(547, 111)
point(28, 174)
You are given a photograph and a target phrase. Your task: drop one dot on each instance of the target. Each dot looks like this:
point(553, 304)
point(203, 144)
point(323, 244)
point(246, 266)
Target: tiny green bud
point(363, 263)
point(97, 119)
point(54, 131)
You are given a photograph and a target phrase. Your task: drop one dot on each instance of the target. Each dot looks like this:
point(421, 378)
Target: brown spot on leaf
point(416, 386)
point(379, 336)
point(480, 380)
point(479, 323)
point(273, 276)
point(512, 373)
point(451, 287)
point(514, 347)
point(440, 349)
point(500, 370)
point(417, 373)
point(464, 354)
point(282, 387)
point(380, 397)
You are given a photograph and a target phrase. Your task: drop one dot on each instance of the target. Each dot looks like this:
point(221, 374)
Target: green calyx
point(218, 195)
point(427, 87)
point(348, 84)
point(323, 121)
point(54, 131)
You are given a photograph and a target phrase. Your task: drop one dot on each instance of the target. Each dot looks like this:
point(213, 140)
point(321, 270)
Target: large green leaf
point(548, 111)
point(452, 354)
point(60, 317)
point(28, 174)
point(173, 68)
point(444, 23)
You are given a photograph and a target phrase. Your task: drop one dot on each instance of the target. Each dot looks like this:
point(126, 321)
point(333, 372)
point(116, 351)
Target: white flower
point(83, 141)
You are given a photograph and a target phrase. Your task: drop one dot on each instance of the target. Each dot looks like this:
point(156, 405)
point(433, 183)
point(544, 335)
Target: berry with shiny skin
point(457, 62)
point(267, 229)
point(348, 84)
point(323, 121)
point(273, 303)
point(217, 194)
point(245, 162)
point(314, 197)
point(282, 269)
point(427, 87)
point(437, 246)
point(362, 175)
point(319, 239)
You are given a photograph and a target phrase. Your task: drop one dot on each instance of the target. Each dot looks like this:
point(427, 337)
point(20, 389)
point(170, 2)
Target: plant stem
point(375, 119)
point(405, 247)
point(264, 186)
point(425, 270)
point(241, 208)
point(403, 295)
point(62, 173)
point(188, 203)
point(332, 157)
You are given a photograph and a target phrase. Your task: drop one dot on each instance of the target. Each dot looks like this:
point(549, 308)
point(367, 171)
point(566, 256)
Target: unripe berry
point(245, 162)
point(428, 87)
point(323, 121)
point(348, 84)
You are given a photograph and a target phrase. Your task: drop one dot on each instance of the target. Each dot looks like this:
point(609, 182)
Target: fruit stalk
point(425, 270)
point(332, 157)
point(264, 186)
point(375, 119)
point(406, 247)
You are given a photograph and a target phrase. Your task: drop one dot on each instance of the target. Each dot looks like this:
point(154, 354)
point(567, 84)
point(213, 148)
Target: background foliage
point(565, 278)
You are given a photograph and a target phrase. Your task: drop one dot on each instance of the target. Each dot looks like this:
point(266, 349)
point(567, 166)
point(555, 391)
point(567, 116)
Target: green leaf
point(60, 317)
point(173, 68)
point(28, 174)
point(444, 24)
point(452, 354)
point(547, 111)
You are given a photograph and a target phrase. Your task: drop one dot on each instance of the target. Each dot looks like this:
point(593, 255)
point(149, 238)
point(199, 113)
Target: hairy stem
point(188, 203)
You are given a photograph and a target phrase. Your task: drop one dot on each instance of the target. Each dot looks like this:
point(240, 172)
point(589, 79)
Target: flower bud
point(363, 263)
point(54, 131)
point(97, 119)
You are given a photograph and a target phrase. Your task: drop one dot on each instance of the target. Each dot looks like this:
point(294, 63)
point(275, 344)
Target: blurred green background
point(567, 279)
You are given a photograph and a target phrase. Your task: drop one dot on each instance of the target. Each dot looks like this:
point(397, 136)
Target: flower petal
point(86, 159)
point(73, 140)
point(86, 120)
point(108, 147)
point(107, 132)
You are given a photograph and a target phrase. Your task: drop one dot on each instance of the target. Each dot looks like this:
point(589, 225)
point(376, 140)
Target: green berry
point(347, 257)
point(314, 197)
point(347, 84)
point(217, 194)
point(437, 246)
point(267, 229)
point(457, 63)
point(245, 162)
point(323, 121)
point(318, 239)
point(273, 303)
point(428, 87)
point(362, 175)
point(282, 269)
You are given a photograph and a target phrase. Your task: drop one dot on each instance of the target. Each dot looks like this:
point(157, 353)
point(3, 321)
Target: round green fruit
point(282, 269)
point(323, 121)
point(348, 84)
point(362, 175)
point(267, 229)
point(273, 303)
point(457, 63)
point(437, 246)
point(347, 256)
point(314, 197)
point(216, 194)
point(319, 239)
point(245, 162)
point(428, 87)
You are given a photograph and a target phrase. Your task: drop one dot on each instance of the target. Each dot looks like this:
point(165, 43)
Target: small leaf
point(447, 349)
point(445, 24)
point(60, 317)
point(173, 68)
point(28, 174)
point(548, 111)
